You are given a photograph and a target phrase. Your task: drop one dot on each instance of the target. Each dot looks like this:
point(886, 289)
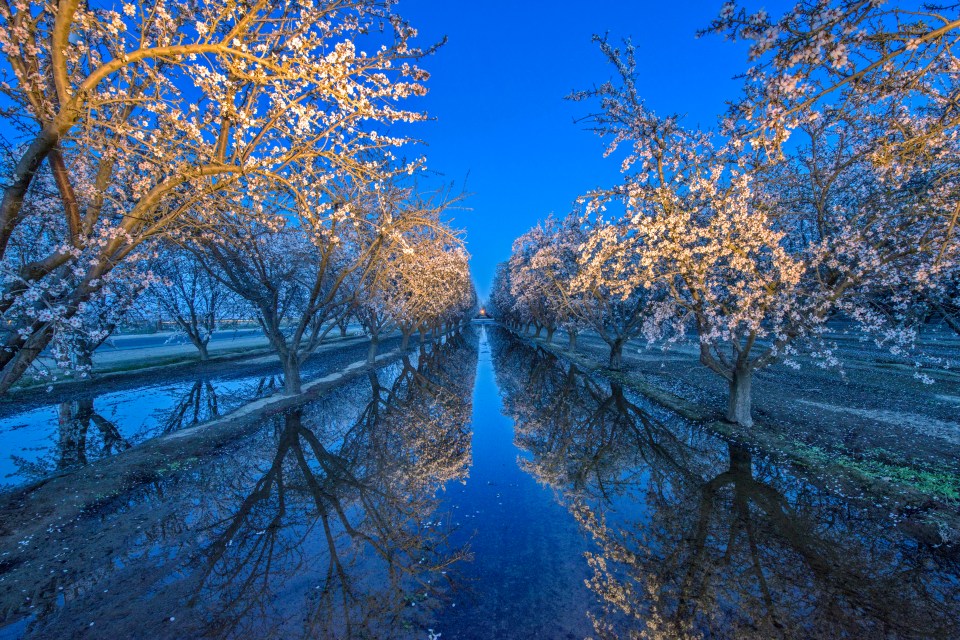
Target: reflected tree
point(750, 552)
point(199, 404)
point(75, 444)
point(696, 537)
point(323, 522)
point(351, 504)
point(202, 401)
point(75, 419)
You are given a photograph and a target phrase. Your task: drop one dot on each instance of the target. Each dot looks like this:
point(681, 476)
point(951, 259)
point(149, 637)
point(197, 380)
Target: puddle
point(484, 490)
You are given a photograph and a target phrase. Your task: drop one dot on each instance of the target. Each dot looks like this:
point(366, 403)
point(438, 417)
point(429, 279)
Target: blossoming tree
point(757, 255)
point(421, 276)
point(191, 297)
point(897, 59)
point(534, 297)
point(144, 112)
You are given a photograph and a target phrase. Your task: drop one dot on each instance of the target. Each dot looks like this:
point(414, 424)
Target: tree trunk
point(372, 351)
point(951, 321)
point(291, 375)
point(85, 354)
point(25, 356)
point(616, 355)
point(539, 329)
point(572, 336)
point(200, 344)
point(405, 341)
point(738, 410)
point(550, 335)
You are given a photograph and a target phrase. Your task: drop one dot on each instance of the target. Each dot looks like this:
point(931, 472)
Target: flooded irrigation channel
point(482, 489)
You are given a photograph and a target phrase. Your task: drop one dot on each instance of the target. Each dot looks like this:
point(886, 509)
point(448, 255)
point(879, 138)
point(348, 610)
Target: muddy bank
point(871, 429)
point(181, 535)
point(259, 361)
point(29, 510)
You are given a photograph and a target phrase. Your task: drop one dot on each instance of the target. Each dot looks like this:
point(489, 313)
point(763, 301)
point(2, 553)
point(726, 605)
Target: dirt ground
point(871, 420)
point(63, 496)
point(334, 353)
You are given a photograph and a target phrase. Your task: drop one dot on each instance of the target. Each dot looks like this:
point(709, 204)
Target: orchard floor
point(480, 488)
point(870, 422)
point(46, 433)
point(139, 364)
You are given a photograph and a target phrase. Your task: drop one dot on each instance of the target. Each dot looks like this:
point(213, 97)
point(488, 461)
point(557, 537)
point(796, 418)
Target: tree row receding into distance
point(828, 190)
point(228, 158)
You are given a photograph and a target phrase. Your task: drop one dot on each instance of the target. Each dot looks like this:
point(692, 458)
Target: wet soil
point(872, 422)
point(329, 356)
point(484, 488)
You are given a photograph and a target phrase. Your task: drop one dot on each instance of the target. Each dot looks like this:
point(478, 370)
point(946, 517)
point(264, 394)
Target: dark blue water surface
point(481, 489)
point(59, 431)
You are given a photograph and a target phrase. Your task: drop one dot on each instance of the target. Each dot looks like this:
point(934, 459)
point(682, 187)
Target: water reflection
point(199, 404)
point(92, 427)
point(343, 519)
point(140, 410)
point(75, 421)
point(696, 537)
point(324, 523)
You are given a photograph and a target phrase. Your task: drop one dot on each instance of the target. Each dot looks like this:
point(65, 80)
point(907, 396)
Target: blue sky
point(497, 92)
point(501, 125)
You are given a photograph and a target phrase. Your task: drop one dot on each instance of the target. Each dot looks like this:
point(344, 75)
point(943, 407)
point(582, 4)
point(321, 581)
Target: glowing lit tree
point(543, 271)
point(895, 62)
point(432, 281)
point(466, 305)
point(144, 112)
point(293, 274)
point(757, 256)
point(528, 283)
point(501, 299)
point(891, 66)
point(421, 276)
point(610, 299)
point(559, 275)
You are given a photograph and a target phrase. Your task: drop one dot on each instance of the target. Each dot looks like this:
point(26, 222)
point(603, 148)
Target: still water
point(481, 490)
point(42, 437)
